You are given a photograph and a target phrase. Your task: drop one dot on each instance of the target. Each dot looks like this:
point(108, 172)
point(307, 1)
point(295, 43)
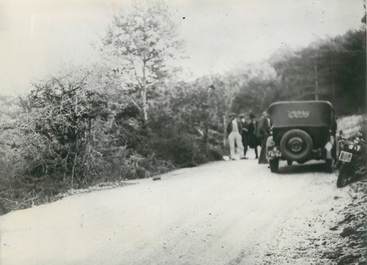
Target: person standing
point(252, 140)
point(234, 138)
point(244, 136)
point(263, 134)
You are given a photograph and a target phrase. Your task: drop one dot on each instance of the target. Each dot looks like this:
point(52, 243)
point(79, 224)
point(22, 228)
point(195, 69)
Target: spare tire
point(296, 145)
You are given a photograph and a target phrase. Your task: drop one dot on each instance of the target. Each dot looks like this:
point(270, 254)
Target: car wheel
point(296, 145)
point(274, 165)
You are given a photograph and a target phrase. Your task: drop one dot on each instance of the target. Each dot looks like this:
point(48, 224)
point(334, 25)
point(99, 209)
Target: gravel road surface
point(227, 213)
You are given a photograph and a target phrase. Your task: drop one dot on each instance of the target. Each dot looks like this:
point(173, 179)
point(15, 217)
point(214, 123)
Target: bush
point(180, 149)
point(72, 136)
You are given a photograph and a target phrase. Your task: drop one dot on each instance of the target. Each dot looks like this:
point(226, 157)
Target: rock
point(332, 254)
point(353, 244)
point(348, 259)
point(347, 218)
point(334, 228)
point(156, 178)
point(347, 231)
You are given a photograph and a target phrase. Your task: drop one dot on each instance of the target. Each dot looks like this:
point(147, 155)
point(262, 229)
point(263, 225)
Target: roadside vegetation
point(131, 116)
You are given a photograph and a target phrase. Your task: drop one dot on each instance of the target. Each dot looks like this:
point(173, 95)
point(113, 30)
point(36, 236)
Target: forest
point(131, 116)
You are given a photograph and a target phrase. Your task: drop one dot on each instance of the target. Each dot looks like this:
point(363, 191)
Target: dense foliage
point(332, 69)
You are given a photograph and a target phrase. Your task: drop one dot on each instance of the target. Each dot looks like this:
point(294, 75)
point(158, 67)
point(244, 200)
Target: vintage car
point(301, 131)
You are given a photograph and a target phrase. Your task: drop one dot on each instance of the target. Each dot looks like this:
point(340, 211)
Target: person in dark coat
point(263, 133)
point(244, 131)
point(252, 140)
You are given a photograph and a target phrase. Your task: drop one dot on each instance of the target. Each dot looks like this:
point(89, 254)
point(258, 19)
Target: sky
point(42, 37)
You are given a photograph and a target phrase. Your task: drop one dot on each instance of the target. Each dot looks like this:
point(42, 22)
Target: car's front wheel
point(274, 165)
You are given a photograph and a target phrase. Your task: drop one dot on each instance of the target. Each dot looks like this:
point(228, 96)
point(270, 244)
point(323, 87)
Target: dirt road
point(224, 213)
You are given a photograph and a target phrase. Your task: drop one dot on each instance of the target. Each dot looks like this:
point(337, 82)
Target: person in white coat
point(235, 138)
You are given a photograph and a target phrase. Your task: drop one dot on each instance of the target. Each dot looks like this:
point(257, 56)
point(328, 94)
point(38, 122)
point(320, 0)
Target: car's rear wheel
point(274, 165)
point(296, 145)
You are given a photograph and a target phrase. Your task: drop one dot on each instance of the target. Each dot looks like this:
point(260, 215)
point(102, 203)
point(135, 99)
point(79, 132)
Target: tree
point(143, 43)
point(331, 69)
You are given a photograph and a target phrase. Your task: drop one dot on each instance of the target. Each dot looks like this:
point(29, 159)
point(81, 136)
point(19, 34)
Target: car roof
point(318, 113)
point(317, 102)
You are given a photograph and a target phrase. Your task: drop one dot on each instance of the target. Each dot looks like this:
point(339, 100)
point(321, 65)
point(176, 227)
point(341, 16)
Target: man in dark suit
point(244, 134)
point(252, 140)
point(263, 132)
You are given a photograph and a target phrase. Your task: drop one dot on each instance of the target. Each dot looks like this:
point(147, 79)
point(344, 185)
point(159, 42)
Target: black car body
point(301, 131)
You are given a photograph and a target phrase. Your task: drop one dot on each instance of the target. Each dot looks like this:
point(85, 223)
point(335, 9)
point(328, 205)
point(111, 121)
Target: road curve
point(227, 213)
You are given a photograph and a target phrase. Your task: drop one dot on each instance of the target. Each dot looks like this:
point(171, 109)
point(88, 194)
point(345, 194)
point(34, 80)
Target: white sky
point(39, 37)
